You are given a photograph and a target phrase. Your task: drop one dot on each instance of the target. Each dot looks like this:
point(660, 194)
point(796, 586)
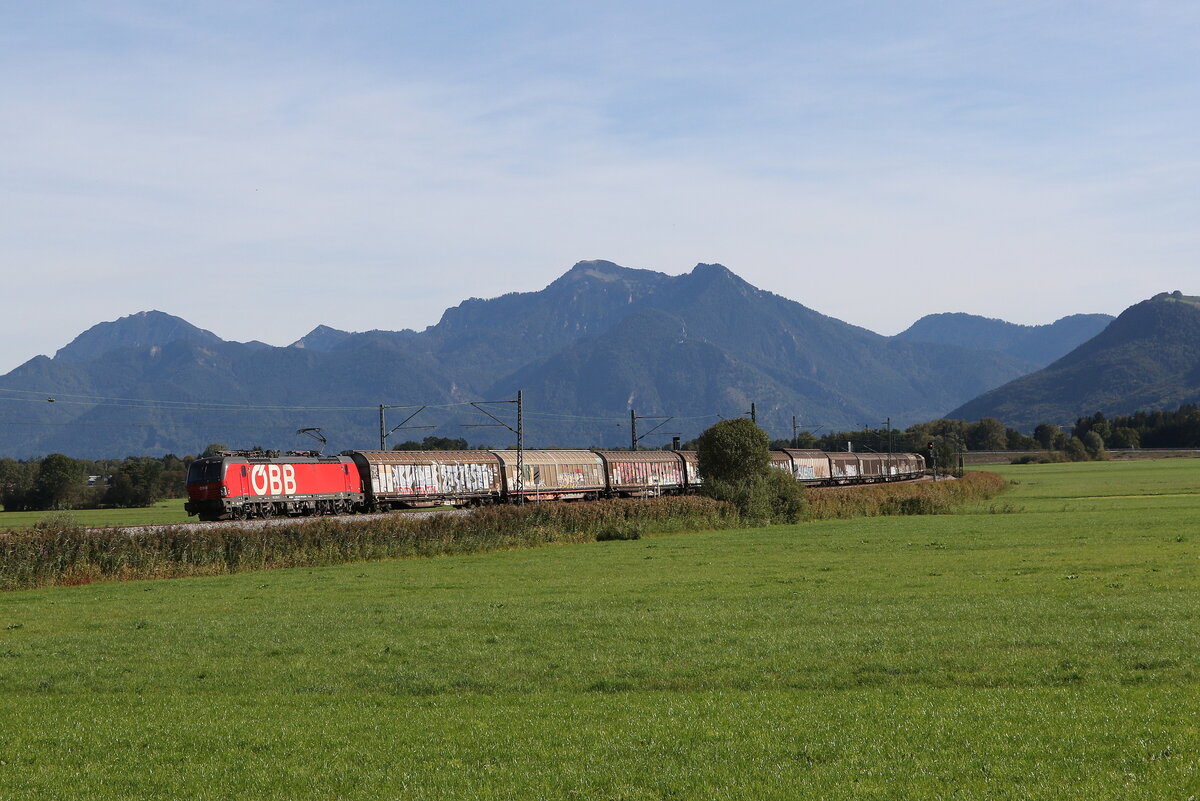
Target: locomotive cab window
point(203, 471)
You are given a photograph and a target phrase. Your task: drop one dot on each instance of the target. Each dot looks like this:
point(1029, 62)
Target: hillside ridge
point(595, 342)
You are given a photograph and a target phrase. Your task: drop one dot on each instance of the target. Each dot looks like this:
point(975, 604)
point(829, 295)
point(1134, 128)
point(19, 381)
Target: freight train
point(244, 484)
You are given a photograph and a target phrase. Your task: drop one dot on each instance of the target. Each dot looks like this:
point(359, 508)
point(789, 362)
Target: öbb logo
point(273, 479)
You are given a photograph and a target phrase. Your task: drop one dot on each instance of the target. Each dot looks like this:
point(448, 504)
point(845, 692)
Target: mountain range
point(1146, 359)
point(1035, 344)
point(585, 350)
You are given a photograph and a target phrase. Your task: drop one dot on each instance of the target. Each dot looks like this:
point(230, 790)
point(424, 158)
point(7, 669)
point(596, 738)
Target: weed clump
point(616, 532)
point(1049, 457)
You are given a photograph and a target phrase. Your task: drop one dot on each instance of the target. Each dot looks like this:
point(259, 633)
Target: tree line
point(1089, 438)
point(945, 438)
point(1162, 429)
point(61, 482)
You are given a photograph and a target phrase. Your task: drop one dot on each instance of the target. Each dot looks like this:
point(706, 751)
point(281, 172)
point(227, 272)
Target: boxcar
point(873, 466)
point(809, 466)
point(554, 475)
point(691, 470)
point(398, 479)
point(907, 464)
point(844, 467)
point(642, 473)
point(781, 461)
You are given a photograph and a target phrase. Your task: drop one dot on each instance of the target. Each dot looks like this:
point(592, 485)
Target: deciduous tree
point(59, 480)
point(735, 463)
point(733, 450)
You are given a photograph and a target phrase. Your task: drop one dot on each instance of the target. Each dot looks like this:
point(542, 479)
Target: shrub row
point(58, 551)
point(916, 498)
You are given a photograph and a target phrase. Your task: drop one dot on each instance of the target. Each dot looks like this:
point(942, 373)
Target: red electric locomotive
point(239, 484)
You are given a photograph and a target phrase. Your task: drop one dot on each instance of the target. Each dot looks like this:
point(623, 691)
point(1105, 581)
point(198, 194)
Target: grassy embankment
point(1042, 645)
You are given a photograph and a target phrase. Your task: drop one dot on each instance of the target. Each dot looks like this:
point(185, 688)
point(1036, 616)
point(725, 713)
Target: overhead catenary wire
point(622, 420)
point(41, 396)
point(170, 408)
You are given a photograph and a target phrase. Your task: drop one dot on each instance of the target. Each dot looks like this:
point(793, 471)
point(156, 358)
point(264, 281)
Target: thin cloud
point(262, 169)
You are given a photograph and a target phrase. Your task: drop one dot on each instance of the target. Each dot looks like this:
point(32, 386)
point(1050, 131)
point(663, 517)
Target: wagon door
point(384, 479)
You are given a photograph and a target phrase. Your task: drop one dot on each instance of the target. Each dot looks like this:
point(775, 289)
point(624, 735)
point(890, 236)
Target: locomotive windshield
point(204, 471)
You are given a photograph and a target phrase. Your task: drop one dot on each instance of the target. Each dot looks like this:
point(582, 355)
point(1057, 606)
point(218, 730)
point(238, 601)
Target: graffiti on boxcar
point(468, 477)
point(575, 476)
point(645, 473)
point(442, 479)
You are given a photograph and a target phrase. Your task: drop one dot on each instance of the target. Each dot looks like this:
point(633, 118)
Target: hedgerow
point(58, 551)
point(915, 498)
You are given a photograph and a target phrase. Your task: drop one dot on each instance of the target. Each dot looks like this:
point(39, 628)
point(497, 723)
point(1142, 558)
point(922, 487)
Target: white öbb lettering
point(273, 479)
point(258, 479)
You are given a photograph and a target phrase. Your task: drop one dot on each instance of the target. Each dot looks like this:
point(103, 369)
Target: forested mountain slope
point(1148, 358)
point(598, 341)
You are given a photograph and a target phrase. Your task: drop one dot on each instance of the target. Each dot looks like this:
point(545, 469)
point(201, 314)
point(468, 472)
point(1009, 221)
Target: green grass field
point(1041, 645)
point(162, 513)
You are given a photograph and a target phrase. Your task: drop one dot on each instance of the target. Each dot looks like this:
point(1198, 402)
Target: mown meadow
point(1041, 644)
point(161, 513)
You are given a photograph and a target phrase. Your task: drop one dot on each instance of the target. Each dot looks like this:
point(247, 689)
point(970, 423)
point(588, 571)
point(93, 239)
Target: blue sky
point(262, 168)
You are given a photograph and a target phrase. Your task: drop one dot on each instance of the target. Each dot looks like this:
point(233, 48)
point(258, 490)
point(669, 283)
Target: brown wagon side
point(641, 473)
point(809, 466)
point(397, 479)
point(554, 475)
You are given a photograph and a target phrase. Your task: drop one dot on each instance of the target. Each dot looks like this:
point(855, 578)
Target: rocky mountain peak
point(145, 329)
point(321, 338)
point(1177, 297)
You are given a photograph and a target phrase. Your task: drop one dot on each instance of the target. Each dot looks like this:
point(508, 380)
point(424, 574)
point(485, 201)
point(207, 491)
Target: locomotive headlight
point(224, 490)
